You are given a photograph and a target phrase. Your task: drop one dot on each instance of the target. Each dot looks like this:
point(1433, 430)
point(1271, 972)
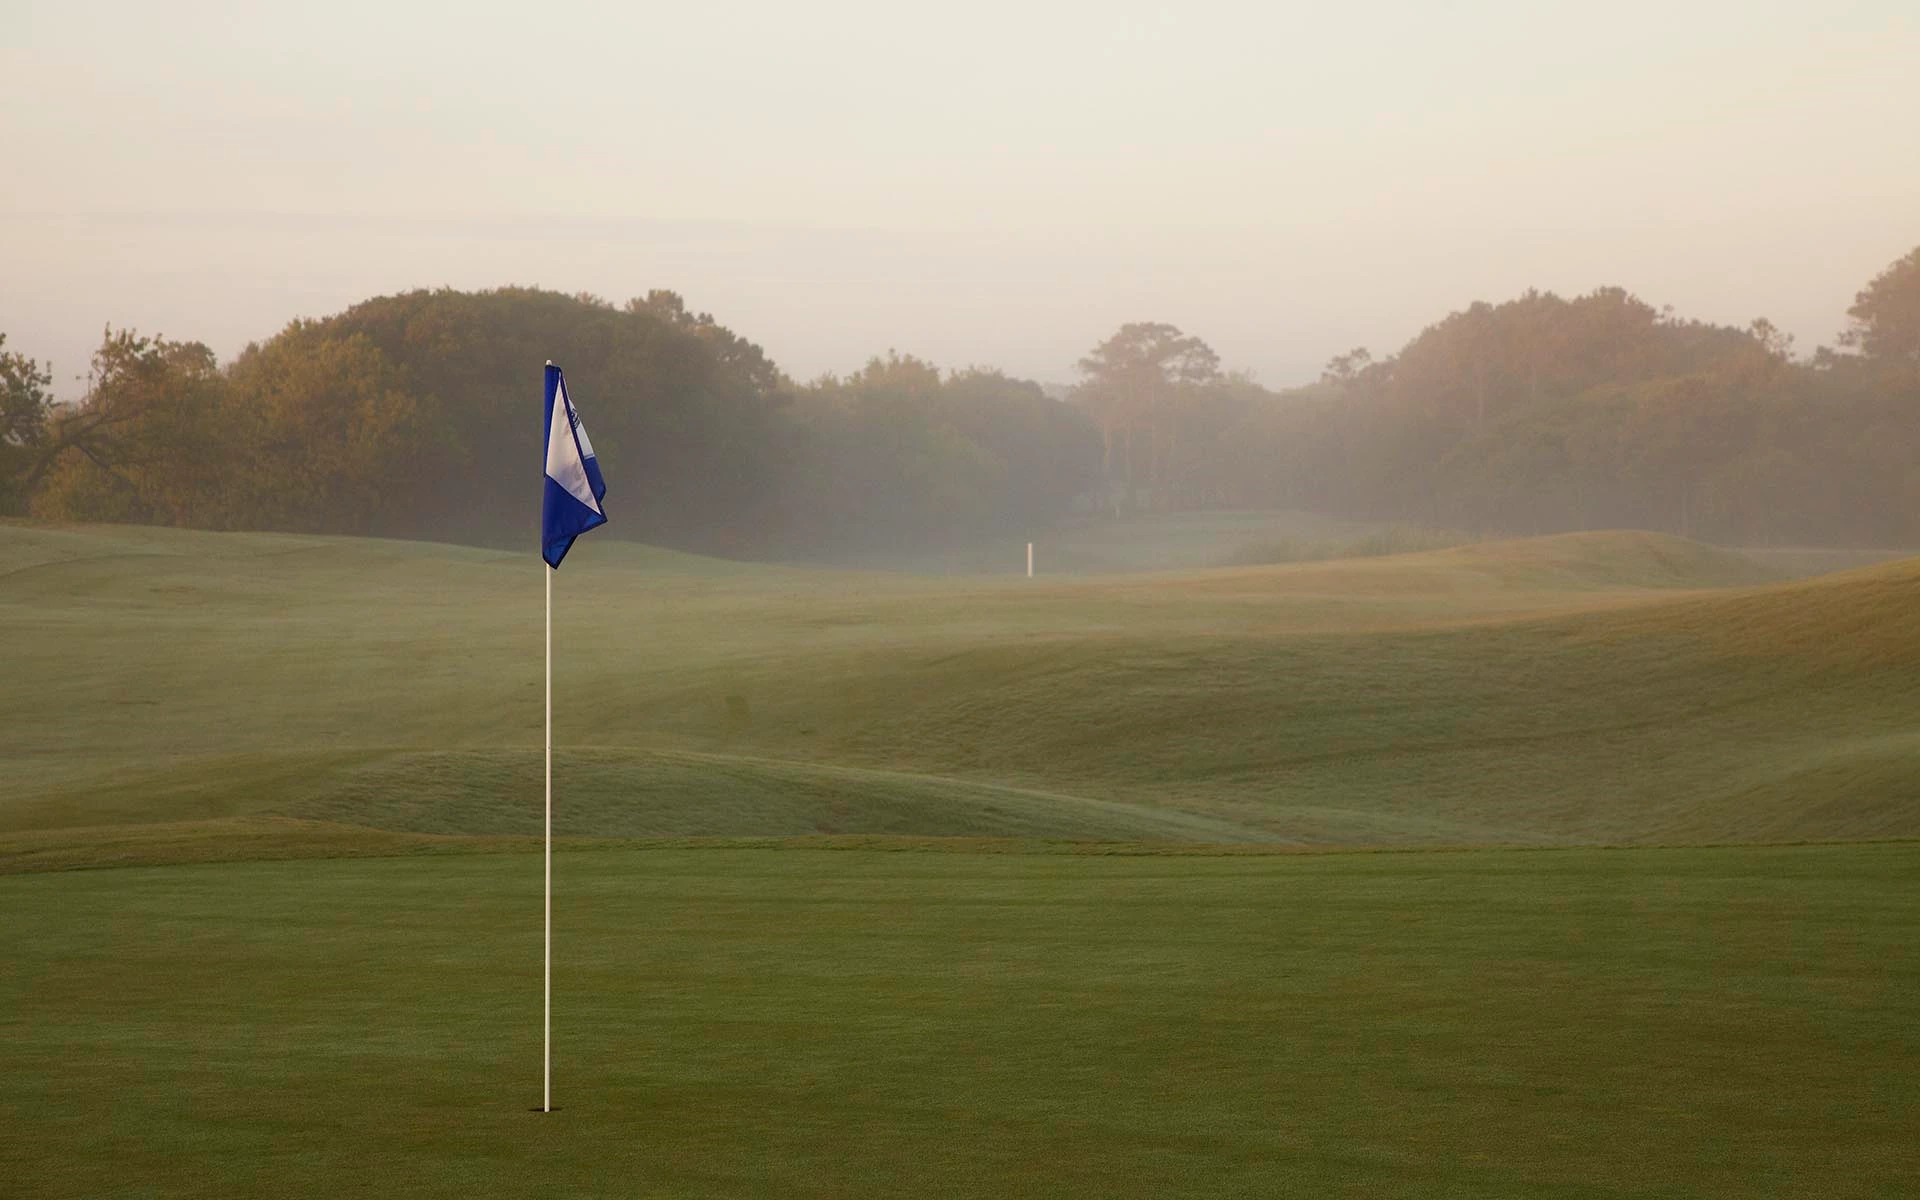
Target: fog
point(997, 185)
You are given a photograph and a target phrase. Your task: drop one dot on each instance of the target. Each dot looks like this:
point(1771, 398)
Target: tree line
point(1543, 414)
point(408, 416)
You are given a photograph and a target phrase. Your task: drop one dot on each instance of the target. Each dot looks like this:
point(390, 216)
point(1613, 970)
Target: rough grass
point(1594, 688)
point(1575, 1024)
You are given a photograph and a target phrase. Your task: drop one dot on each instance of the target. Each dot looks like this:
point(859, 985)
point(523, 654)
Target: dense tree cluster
point(897, 455)
point(24, 407)
point(412, 415)
point(1545, 414)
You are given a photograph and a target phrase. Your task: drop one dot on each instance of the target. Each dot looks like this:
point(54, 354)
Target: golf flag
point(574, 486)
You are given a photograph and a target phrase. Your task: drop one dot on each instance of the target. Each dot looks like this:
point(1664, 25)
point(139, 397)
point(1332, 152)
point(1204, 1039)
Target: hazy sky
point(991, 183)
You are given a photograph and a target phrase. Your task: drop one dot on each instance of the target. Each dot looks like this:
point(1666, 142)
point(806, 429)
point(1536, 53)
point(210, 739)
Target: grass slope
point(1578, 689)
point(1566, 1024)
point(622, 793)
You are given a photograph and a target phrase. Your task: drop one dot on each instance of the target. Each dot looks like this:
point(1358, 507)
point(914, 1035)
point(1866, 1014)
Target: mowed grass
point(347, 1000)
point(1733, 1022)
point(1586, 689)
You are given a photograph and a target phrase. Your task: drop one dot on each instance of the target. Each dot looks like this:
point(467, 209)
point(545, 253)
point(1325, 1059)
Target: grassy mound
point(1612, 559)
point(1701, 718)
point(1577, 689)
point(1390, 539)
point(622, 793)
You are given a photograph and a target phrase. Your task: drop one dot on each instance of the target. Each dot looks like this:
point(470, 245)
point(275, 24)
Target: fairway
point(1736, 1022)
point(1045, 681)
point(1316, 879)
point(1585, 689)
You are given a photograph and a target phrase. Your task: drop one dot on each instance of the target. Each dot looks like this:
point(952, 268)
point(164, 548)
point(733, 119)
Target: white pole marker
point(546, 1011)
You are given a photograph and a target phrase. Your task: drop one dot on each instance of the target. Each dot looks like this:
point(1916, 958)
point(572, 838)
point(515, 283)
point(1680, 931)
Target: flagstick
point(546, 1013)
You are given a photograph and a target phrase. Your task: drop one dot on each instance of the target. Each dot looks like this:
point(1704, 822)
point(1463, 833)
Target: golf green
point(1734, 1022)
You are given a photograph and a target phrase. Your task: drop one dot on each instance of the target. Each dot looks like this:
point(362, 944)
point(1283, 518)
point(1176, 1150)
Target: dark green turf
point(1649, 1023)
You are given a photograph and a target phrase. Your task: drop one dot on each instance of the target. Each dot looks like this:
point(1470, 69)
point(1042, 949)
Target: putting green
point(1702, 1023)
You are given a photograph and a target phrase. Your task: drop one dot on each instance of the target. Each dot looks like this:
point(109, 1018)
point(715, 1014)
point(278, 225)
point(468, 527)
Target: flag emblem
point(574, 488)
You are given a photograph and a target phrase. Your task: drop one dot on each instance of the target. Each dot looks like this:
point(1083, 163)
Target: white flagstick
point(546, 1012)
point(1029, 560)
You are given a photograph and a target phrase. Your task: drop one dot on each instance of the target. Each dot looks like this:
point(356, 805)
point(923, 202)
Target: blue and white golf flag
point(574, 486)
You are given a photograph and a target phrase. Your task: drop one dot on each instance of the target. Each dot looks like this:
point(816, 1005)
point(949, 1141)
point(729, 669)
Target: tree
point(331, 437)
point(689, 411)
point(882, 467)
point(25, 405)
point(1774, 342)
point(1344, 369)
point(1136, 380)
point(1051, 450)
point(145, 444)
point(899, 456)
point(734, 352)
point(1886, 316)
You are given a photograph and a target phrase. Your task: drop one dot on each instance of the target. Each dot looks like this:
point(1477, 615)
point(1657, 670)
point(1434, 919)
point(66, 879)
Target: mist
point(1002, 190)
point(1215, 598)
point(859, 284)
point(406, 416)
